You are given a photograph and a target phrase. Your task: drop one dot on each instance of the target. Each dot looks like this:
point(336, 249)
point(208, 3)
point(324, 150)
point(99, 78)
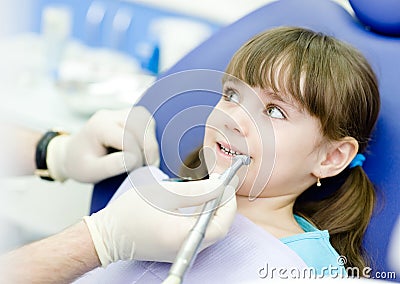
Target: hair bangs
point(270, 63)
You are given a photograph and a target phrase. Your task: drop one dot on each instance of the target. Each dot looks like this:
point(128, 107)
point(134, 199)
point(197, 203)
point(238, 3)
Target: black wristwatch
point(41, 154)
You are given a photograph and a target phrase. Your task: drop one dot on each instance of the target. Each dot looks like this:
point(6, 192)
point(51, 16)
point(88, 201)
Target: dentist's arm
point(17, 150)
point(57, 259)
point(84, 155)
point(129, 228)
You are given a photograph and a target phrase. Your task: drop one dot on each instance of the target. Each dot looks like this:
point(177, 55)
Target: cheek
point(213, 122)
point(209, 149)
point(209, 126)
point(261, 144)
point(207, 136)
point(256, 177)
point(296, 145)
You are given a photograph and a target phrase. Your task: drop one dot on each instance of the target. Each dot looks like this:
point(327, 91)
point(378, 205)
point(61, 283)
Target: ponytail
point(194, 166)
point(345, 214)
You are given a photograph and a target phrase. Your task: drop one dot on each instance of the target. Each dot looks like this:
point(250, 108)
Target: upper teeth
point(229, 151)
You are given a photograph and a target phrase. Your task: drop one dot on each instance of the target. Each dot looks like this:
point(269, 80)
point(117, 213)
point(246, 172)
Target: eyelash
point(270, 106)
point(228, 93)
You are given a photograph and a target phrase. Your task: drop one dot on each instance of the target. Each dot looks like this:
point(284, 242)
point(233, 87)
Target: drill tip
point(245, 159)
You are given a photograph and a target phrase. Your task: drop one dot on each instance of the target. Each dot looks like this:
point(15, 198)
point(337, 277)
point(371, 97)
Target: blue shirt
point(314, 248)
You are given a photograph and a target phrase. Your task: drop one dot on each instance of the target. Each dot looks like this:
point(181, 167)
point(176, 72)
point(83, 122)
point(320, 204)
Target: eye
point(231, 95)
point(274, 112)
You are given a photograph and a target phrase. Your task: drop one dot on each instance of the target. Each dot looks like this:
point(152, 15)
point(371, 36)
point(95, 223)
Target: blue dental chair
point(383, 52)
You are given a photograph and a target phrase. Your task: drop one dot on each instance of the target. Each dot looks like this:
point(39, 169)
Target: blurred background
point(60, 61)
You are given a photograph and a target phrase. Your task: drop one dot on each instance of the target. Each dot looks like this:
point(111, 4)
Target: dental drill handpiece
point(191, 244)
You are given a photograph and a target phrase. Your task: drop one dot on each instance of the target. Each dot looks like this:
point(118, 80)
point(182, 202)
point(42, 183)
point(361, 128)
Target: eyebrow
point(276, 97)
point(232, 80)
point(291, 103)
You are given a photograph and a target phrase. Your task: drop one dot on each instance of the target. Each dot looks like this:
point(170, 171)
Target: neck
point(274, 214)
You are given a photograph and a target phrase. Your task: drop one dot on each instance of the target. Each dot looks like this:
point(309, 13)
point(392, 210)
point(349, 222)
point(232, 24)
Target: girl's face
point(281, 139)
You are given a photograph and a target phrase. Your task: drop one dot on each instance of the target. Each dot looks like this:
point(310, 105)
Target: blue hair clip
point(357, 161)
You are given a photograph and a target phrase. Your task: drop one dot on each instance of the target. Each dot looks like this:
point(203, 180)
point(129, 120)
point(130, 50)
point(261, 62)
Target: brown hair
point(333, 82)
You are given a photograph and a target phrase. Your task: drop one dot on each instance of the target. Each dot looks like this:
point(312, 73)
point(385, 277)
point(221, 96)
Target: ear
point(336, 157)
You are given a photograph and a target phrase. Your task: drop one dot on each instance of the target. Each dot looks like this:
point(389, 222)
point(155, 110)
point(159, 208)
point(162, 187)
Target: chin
point(242, 192)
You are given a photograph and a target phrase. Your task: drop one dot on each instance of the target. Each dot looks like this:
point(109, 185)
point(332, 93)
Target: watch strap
point(41, 154)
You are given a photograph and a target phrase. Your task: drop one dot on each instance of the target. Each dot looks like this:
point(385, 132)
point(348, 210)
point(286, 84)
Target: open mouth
point(228, 151)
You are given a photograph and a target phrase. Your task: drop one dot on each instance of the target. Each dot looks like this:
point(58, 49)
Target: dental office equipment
point(56, 27)
point(189, 248)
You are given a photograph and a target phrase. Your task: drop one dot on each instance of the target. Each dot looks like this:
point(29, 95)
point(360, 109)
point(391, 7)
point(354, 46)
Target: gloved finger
point(150, 145)
point(111, 165)
point(172, 196)
point(214, 176)
point(218, 227)
point(115, 137)
point(222, 219)
point(193, 192)
point(111, 135)
point(230, 190)
point(167, 200)
point(131, 161)
point(189, 194)
point(130, 144)
point(141, 124)
point(137, 121)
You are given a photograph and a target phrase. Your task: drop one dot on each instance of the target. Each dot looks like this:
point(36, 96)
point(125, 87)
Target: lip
point(226, 145)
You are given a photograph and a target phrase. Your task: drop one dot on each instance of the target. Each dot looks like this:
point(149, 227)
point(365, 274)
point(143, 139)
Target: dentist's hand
point(131, 228)
point(84, 156)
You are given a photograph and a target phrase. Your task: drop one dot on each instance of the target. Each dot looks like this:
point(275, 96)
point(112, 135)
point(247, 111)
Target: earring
point(318, 182)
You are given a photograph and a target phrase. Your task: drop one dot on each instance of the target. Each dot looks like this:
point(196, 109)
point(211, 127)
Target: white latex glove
point(84, 156)
point(131, 228)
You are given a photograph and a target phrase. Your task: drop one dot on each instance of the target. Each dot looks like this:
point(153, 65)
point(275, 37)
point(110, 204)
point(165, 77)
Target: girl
point(322, 99)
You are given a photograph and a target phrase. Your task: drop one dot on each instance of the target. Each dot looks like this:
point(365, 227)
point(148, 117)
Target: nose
point(238, 121)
